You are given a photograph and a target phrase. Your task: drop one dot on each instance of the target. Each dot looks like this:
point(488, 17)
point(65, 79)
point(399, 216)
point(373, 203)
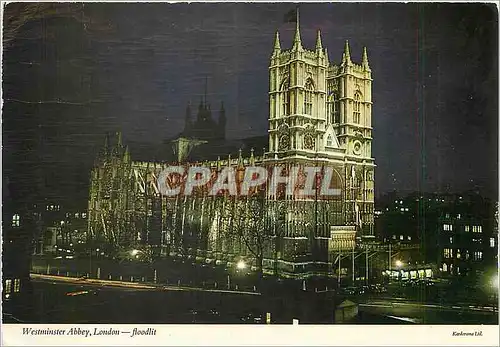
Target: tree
point(252, 215)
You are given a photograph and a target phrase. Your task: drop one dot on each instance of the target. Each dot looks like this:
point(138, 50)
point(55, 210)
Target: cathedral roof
point(210, 150)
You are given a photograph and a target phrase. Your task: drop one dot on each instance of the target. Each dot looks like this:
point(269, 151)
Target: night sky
point(73, 72)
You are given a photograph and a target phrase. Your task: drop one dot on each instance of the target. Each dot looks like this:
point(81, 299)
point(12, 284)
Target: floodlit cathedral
point(319, 115)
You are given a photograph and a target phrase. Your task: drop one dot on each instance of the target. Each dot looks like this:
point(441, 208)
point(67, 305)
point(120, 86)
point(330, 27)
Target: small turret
point(240, 159)
point(252, 157)
point(126, 156)
point(106, 145)
point(277, 45)
point(346, 57)
point(319, 44)
point(119, 136)
point(364, 63)
point(297, 43)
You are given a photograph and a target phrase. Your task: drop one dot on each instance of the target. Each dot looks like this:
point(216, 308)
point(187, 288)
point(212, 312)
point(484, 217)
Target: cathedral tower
point(322, 110)
point(297, 98)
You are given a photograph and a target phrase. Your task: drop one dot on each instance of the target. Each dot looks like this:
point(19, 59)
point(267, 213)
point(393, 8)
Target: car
point(347, 291)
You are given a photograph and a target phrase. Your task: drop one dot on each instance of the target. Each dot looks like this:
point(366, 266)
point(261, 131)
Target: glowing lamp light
point(241, 265)
point(399, 263)
point(134, 252)
point(494, 282)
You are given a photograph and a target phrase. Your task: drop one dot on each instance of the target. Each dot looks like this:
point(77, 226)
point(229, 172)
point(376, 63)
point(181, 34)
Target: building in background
point(456, 233)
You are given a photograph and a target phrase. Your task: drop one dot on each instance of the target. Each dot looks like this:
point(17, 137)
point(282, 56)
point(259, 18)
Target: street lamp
point(399, 265)
point(241, 265)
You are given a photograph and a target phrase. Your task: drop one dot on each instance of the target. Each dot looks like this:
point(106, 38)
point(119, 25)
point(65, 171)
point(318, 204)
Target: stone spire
point(126, 156)
point(297, 43)
point(319, 44)
point(277, 45)
point(119, 135)
point(240, 159)
point(327, 57)
point(252, 157)
point(364, 63)
point(346, 58)
point(106, 144)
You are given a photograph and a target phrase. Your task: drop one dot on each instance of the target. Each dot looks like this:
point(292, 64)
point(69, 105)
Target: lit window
point(492, 242)
point(445, 267)
point(84, 215)
point(8, 286)
point(401, 237)
point(448, 253)
point(329, 141)
point(284, 99)
point(409, 238)
point(478, 255)
point(308, 98)
point(393, 237)
point(467, 229)
point(451, 239)
point(477, 229)
point(459, 216)
point(458, 254)
point(467, 255)
point(17, 285)
point(15, 220)
point(357, 108)
point(447, 227)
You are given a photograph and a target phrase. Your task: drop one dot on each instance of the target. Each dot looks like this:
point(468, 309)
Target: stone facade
point(320, 115)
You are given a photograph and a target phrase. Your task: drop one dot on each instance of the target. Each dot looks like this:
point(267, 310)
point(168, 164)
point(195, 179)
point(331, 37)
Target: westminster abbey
point(319, 115)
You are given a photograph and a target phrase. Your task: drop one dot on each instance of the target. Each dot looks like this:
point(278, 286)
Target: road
point(133, 285)
point(430, 313)
point(60, 299)
point(72, 301)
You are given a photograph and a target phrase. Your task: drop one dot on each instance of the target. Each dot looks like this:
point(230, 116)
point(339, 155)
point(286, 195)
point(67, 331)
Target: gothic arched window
point(308, 97)
point(285, 98)
point(333, 108)
point(357, 108)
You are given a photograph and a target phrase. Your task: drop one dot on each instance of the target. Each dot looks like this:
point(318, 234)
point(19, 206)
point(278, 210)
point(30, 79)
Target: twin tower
point(322, 111)
point(317, 106)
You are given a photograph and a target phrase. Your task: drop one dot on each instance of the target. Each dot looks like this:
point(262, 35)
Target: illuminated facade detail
point(310, 124)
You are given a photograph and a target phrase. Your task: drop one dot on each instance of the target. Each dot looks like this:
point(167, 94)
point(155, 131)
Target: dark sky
point(134, 67)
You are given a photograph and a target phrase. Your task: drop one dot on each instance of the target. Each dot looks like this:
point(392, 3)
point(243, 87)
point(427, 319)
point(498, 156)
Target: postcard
point(216, 173)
